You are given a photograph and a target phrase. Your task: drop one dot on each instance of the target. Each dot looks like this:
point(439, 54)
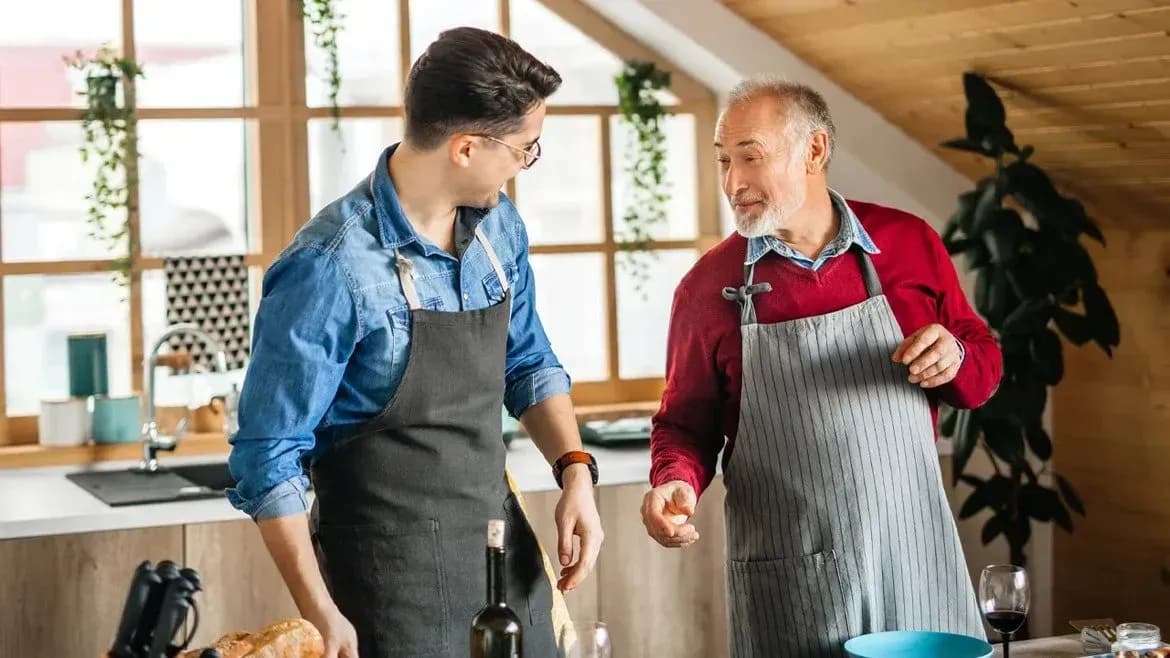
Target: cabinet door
point(63, 595)
point(659, 601)
point(242, 589)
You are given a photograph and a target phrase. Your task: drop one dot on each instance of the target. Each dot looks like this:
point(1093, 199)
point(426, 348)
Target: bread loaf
point(291, 638)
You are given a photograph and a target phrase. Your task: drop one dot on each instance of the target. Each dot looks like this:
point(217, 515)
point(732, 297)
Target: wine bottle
point(496, 631)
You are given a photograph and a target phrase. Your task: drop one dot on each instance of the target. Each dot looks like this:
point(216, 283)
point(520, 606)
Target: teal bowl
point(917, 644)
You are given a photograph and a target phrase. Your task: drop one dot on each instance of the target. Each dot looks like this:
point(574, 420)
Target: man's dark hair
point(473, 81)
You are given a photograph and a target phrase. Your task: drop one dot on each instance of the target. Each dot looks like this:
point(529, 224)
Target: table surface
point(1063, 646)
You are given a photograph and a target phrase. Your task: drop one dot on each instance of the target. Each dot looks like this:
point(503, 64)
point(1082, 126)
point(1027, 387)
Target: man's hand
point(666, 511)
point(339, 635)
point(933, 355)
point(577, 516)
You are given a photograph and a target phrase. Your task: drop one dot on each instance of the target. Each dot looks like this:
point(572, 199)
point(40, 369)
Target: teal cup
point(117, 419)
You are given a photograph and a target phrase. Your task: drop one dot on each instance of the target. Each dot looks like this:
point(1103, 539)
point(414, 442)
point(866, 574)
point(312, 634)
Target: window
point(233, 158)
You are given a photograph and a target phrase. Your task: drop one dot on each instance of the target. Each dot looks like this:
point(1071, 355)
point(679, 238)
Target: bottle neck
point(495, 577)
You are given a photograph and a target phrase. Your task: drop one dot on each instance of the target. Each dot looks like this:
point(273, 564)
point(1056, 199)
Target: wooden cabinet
point(242, 589)
point(655, 601)
point(62, 595)
point(658, 601)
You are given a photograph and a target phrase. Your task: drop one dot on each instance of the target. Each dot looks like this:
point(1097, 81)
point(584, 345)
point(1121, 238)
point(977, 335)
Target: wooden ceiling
point(1087, 82)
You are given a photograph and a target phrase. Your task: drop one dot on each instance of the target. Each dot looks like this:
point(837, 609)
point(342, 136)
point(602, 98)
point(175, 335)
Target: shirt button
point(466, 297)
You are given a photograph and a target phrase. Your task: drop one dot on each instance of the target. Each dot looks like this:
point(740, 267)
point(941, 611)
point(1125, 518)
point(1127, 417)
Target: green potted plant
point(1034, 284)
point(110, 141)
point(324, 23)
point(639, 86)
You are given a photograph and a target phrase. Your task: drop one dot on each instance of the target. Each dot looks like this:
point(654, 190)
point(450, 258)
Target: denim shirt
point(332, 332)
point(850, 233)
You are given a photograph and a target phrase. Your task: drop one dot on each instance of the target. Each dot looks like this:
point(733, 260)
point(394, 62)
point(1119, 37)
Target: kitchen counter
point(41, 501)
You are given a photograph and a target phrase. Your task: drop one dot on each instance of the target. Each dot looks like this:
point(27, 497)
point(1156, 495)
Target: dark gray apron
point(837, 521)
point(402, 505)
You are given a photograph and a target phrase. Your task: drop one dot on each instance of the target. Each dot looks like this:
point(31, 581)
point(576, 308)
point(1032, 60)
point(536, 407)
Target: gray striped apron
point(837, 522)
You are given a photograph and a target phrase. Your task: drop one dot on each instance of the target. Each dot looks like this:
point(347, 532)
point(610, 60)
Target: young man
point(390, 333)
point(818, 341)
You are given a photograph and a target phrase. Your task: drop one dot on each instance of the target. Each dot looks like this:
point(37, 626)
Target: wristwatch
point(575, 457)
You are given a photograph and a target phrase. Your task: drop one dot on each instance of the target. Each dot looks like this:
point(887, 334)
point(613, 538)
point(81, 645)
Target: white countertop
point(41, 501)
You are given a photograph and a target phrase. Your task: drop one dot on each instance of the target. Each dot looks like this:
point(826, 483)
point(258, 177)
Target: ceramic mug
point(64, 422)
point(117, 419)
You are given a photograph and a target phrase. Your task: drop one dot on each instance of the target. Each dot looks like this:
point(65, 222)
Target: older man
point(818, 342)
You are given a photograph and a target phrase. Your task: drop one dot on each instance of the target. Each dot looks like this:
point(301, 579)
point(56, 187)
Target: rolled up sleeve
point(534, 374)
point(306, 328)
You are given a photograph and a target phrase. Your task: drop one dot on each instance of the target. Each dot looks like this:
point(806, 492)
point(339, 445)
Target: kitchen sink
point(168, 484)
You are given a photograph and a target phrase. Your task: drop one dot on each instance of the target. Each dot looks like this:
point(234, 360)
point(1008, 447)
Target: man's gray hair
point(806, 109)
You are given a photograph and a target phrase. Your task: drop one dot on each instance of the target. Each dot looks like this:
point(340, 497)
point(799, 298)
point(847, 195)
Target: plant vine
point(325, 24)
point(110, 140)
point(639, 85)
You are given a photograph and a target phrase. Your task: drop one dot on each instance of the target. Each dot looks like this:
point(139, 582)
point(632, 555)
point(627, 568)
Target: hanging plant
point(110, 141)
point(1034, 283)
point(639, 86)
point(324, 23)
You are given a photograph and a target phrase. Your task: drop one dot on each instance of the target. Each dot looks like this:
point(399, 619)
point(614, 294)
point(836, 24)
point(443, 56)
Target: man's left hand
point(577, 517)
point(933, 355)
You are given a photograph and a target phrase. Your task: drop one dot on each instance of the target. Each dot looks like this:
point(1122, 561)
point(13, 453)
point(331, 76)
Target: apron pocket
point(788, 607)
point(387, 583)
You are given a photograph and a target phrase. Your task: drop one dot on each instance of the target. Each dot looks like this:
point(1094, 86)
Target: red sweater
point(700, 405)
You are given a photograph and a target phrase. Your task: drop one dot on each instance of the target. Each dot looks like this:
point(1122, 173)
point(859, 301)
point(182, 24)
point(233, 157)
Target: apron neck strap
point(406, 268)
point(491, 254)
point(873, 285)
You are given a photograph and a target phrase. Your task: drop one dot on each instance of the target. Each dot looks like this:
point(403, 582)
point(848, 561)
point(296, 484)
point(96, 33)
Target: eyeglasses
point(531, 154)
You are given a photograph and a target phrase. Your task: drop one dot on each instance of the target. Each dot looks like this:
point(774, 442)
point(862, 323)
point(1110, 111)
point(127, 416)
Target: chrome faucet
point(152, 442)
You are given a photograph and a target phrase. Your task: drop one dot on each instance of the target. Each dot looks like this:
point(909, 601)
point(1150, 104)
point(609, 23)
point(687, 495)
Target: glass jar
point(1137, 637)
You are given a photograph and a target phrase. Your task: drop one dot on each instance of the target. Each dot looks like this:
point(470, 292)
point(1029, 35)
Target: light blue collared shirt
point(851, 233)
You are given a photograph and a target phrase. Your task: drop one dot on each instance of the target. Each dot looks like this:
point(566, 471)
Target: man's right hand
point(666, 512)
point(339, 635)
point(287, 540)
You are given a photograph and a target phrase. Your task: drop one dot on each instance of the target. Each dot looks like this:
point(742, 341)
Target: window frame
point(274, 57)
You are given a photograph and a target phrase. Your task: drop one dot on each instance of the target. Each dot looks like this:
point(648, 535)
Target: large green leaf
point(1028, 318)
point(1080, 220)
point(1046, 355)
point(964, 215)
point(1101, 318)
point(1028, 282)
point(947, 421)
point(1001, 298)
point(997, 491)
point(1074, 326)
point(966, 438)
point(992, 529)
point(1039, 441)
point(1036, 503)
point(1003, 234)
point(1060, 515)
point(1005, 440)
point(1019, 530)
point(989, 202)
point(1033, 189)
point(985, 117)
point(973, 505)
point(1070, 495)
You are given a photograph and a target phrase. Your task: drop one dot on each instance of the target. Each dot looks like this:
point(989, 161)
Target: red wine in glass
point(1004, 597)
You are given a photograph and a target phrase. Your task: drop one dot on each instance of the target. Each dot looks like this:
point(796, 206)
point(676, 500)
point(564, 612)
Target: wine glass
point(588, 639)
point(1004, 597)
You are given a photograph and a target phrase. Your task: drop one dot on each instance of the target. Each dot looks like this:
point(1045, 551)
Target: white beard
point(772, 219)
